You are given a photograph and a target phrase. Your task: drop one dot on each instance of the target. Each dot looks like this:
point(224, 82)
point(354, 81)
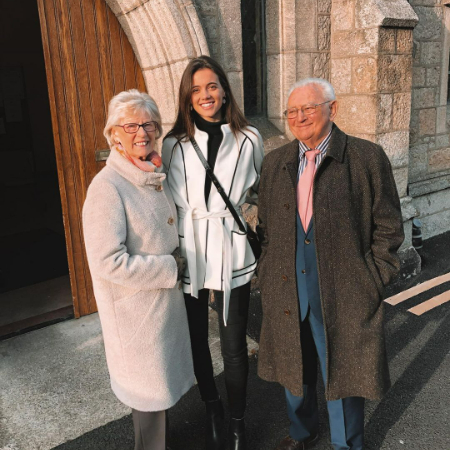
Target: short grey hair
point(131, 101)
point(324, 85)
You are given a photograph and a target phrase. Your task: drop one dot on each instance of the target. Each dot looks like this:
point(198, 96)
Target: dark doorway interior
point(34, 281)
point(254, 56)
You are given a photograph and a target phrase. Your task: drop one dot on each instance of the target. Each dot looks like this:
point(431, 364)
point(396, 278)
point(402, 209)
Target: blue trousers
point(346, 416)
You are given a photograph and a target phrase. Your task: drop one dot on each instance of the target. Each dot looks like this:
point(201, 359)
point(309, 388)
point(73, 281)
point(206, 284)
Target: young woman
point(218, 254)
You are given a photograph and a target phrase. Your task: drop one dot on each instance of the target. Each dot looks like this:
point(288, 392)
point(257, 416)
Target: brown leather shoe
point(291, 444)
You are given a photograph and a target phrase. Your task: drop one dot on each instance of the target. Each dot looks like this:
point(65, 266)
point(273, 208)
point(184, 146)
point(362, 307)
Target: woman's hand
point(180, 260)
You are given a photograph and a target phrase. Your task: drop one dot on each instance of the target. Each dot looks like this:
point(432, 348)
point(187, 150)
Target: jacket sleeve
point(258, 155)
point(105, 232)
point(166, 154)
point(387, 235)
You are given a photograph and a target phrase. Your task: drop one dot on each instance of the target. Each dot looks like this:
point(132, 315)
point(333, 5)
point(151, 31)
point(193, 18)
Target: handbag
point(252, 237)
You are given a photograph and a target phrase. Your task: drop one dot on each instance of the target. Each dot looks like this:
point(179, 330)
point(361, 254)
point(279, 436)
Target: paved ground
point(54, 392)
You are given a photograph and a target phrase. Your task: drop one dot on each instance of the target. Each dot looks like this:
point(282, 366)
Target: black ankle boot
point(214, 425)
point(236, 435)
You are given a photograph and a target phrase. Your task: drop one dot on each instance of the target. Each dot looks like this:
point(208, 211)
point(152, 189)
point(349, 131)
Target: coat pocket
point(131, 313)
point(374, 272)
point(242, 256)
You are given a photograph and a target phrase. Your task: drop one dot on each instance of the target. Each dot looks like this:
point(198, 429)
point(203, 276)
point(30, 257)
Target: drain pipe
point(417, 234)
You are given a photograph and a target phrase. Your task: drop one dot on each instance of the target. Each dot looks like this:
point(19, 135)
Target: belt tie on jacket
point(191, 252)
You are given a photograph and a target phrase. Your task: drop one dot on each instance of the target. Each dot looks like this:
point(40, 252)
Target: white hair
point(324, 85)
point(131, 101)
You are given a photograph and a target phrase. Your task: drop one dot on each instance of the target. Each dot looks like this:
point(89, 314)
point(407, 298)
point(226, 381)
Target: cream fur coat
point(130, 231)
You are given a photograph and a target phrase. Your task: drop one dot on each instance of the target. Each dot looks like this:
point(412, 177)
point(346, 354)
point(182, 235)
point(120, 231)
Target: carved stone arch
point(165, 35)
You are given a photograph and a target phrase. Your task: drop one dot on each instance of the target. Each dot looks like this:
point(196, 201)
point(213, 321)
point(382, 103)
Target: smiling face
point(207, 95)
point(140, 144)
point(312, 129)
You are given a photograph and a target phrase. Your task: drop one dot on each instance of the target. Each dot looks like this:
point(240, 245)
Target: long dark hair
point(184, 123)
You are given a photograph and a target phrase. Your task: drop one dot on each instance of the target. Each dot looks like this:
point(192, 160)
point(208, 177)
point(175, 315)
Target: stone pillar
point(221, 20)
point(371, 70)
point(298, 46)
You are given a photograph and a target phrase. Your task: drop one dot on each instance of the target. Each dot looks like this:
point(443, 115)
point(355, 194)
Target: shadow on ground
point(266, 414)
point(266, 424)
point(414, 378)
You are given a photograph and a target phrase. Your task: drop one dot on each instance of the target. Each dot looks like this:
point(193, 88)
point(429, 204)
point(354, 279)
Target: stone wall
point(298, 46)
point(221, 20)
point(429, 167)
point(164, 35)
point(364, 47)
point(371, 70)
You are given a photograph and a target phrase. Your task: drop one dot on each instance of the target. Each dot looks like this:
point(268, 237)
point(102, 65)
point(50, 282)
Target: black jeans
point(233, 344)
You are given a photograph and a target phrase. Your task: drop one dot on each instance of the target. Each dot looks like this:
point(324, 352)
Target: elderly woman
point(130, 231)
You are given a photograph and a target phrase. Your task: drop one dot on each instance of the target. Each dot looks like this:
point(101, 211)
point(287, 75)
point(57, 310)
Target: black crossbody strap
point(218, 186)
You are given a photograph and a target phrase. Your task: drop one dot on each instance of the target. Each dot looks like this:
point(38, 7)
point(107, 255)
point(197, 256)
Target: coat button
point(286, 205)
point(284, 277)
point(307, 241)
point(159, 188)
point(303, 271)
point(287, 312)
point(170, 221)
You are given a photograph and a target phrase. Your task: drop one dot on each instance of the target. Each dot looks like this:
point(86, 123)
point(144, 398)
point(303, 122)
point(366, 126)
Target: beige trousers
point(149, 430)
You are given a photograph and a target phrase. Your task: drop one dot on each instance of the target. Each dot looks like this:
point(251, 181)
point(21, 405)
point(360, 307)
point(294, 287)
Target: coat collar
point(336, 150)
point(290, 155)
point(336, 147)
point(226, 129)
point(130, 172)
point(338, 142)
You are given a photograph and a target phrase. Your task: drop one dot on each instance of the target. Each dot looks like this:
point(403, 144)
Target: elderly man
point(330, 224)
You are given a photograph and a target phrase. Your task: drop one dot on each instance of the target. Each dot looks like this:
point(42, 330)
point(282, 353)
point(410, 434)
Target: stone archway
point(164, 35)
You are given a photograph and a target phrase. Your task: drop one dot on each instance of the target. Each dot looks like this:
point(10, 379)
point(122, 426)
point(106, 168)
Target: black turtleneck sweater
point(215, 136)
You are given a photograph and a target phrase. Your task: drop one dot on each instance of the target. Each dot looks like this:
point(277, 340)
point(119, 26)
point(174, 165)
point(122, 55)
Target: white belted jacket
point(218, 254)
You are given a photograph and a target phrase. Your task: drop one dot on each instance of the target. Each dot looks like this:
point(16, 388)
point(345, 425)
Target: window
point(448, 81)
point(254, 56)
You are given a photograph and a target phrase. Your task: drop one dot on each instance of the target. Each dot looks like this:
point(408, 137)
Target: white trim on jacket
point(218, 254)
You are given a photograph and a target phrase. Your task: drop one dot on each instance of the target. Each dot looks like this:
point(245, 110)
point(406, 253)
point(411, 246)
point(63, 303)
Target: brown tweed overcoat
point(358, 229)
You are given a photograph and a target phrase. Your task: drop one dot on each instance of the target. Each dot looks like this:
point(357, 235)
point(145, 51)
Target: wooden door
point(88, 60)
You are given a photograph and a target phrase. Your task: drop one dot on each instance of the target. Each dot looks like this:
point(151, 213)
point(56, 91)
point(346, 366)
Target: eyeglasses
point(307, 110)
point(134, 127)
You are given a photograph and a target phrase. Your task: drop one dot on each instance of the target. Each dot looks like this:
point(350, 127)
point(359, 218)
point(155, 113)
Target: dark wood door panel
point(88, 60)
